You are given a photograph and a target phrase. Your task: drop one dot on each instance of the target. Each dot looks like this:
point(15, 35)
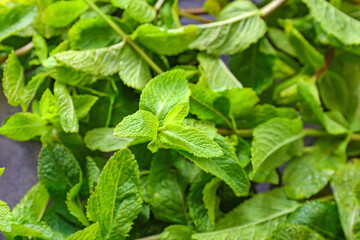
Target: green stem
point(194, 17)
point(21, 51)
point(270, 7)
point(158, 4)
point(124, 36)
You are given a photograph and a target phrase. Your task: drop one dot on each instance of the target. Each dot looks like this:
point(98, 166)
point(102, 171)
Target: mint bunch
point(148, 134)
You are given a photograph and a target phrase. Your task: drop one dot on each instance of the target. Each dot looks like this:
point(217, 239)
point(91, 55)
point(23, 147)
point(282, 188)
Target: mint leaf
point(178, 113)
point(61, 14)
point(308, 174)
point(343, 184)
point(33, 204)
point(163, 92)
point(5, 217)
point(14, 18)
point(176, 232)
point(275, 142)
point(23, 126)
point(30, 89)
point(137, 9)
point(189, 139)
point(13, 81)
point(93, 33)
point(166, 189)
point(58, 169)
point(226, 35)
point(294, 231)
point(172, 41)
point(103, 139)
point(90, 233)
point(83, 104)
point(330, 19)
point(116, 200)
point(47, 106)
point(323, 217)
point(134, 71)
point(261, 215)
point(142, 125)
point(216, 75)
point(67, 113)
point(226, 167)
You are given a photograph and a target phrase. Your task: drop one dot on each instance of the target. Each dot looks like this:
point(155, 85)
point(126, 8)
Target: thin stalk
point(21, 51)
point(183, 13)
point(270, 7)
point(158, 4)
point(196, 11)
point(124, 36)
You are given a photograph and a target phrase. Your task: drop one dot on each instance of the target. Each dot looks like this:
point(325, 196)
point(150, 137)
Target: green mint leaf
point(2, 171)
point(296, 232)
point(142, 125)
point(206, 127)
point(226, 167)
point(13, 80)
point(41, 48)
point(58, 169)
point(275, 141)
point(93, 173)
point(93, 33)
point(330, 19)
point(163, 92)
point(237, 27)
point(61, 14)
point(31, 228)
point(260, 215)
point(263, 113)
point(311, 105)
point(166, 189)
point(5, 217)
point(134, 70)
point(103, 139)
point(30, 90)
point(15, 18)
point(203, 104)
point(330, 85)
point(305, 52)
point(178, 113)
point(251, 75)
point(72, 203)
point(140, 10)
point(116, 201)
point(23, 126)
point(174, 232)
point(308, 174)
point(322, 217)
point(172, 41)
point(343, 183)
point(198, 211)
point(90, 233)
point(66, 108)
point(85, 66)
point(211, 201)
point(215, 74)
point(47, 107)
point(83, 104)
point(33, 204)
point(190, 140)
point(242, 100)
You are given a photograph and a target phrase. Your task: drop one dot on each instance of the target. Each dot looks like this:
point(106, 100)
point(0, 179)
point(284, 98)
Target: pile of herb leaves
point(148, 134)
